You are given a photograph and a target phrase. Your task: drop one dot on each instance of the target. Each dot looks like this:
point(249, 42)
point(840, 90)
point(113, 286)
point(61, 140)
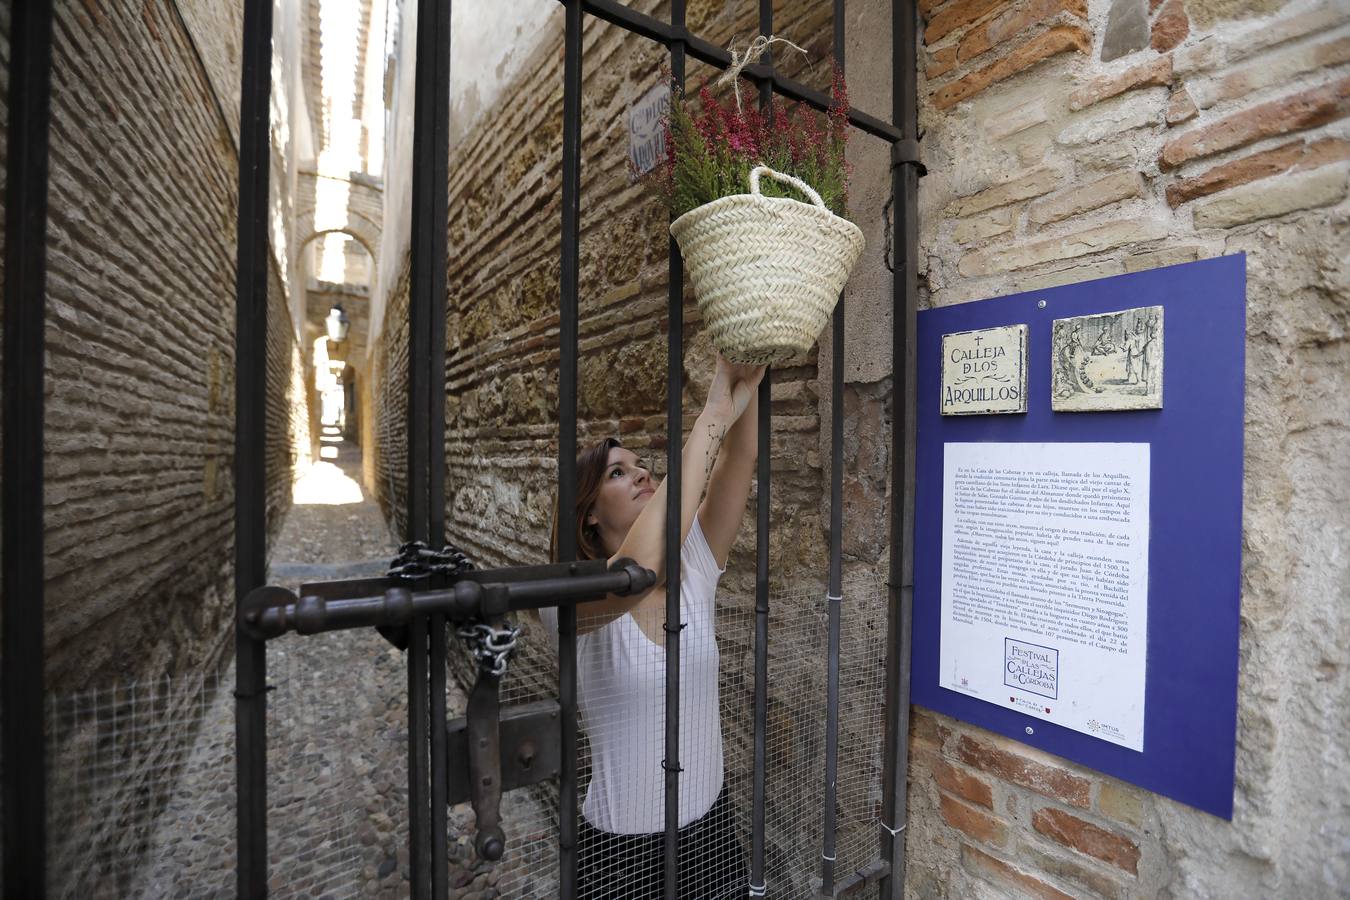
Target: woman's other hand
point(732, 387)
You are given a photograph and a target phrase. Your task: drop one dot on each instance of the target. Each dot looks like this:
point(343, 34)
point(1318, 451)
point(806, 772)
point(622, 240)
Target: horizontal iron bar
point(617, 13)
point(869, 873)
point(271, 611)
point(350, 588)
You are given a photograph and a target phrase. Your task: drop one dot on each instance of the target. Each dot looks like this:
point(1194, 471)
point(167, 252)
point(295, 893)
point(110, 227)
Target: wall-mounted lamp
point(337, 323)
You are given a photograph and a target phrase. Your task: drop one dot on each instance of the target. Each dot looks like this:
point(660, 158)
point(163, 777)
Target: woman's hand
point(732, 387)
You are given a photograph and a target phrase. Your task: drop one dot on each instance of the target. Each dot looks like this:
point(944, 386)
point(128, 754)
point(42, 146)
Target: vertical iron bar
point(674, 455)
point(834, 593)
point(418, 802)
point(904, 203)
point(567, 443)
point(757, 887)
point(21, 665)
point(426, 437)
point(440, 855)
point(250, 444)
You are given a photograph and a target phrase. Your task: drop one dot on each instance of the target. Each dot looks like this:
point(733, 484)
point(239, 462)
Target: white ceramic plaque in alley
point(984, 371)
point(1108, 361)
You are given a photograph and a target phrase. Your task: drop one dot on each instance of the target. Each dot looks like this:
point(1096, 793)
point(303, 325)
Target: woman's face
point(624, 491)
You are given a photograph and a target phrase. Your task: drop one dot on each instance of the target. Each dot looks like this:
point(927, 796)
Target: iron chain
point(416, 561)
point(491, 647)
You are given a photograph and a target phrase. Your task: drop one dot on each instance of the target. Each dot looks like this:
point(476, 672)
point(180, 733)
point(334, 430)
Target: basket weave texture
point(767, 271)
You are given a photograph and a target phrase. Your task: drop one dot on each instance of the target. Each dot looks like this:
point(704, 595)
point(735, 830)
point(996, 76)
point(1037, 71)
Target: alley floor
point(337, 736)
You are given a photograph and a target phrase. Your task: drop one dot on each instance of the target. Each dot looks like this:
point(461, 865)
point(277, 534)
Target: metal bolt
point(1040, 304)
point(1030, 730)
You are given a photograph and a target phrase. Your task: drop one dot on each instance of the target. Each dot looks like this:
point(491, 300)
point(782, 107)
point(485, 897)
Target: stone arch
point(364, 240)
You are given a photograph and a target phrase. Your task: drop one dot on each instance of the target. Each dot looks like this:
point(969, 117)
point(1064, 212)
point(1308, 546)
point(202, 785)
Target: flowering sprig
point(711, 147)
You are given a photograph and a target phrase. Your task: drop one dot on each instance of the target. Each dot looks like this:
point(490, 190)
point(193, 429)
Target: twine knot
point(744, 58)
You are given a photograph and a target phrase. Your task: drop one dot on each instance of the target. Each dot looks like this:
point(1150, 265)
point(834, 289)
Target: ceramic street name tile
point(1109, 361)
point(984, 371)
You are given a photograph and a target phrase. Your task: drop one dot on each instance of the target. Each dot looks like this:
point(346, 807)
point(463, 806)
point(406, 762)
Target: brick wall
point(1073, 139)
point(140, 392)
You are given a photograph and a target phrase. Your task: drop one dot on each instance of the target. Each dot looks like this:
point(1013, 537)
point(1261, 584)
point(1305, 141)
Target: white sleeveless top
point(621, 692)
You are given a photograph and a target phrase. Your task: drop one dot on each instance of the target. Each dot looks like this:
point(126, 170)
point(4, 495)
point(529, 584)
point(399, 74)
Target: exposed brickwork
point(1157, 72)
point(1170, 27)
point(962, 783)
point(1296, 112)
point(1004, 875)
point(1014, 21)
point(140, 383)
point(972, 822)
point(1062, 39)
point(1085, 837)
point(1009, 765)
point(1295, 154)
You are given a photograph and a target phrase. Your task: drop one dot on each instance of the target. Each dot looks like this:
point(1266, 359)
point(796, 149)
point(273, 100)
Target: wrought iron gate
point(425, 612)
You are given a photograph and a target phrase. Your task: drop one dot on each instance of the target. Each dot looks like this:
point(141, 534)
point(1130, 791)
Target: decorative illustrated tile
point(1109, 361)
point(984, 371)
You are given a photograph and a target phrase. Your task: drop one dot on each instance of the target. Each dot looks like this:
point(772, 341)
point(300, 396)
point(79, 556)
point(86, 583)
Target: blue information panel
point(1190, 450)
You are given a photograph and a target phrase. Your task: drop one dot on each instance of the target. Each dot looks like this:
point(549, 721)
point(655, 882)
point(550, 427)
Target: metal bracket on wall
point(906, 152)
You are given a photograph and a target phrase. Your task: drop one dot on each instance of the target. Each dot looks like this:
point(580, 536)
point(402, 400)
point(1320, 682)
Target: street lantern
point(337, 323)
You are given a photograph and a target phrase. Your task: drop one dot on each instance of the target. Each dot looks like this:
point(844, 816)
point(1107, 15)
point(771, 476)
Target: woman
point(621, 654)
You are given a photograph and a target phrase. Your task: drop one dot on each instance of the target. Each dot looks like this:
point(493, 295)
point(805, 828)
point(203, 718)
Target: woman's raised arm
point(731, 391)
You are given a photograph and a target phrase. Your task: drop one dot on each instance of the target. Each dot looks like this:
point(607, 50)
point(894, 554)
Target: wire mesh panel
point(116, 807)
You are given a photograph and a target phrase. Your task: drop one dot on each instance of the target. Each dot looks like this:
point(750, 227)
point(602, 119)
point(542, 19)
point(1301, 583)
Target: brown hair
point(591, 465)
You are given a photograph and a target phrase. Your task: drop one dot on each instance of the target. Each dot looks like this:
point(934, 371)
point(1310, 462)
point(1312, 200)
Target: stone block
point(1007, 877)
point(1126, 29)
point(1061, 39)
point(1101, 123)
point(1044, 778)
point(1170, 27)
point(1180, 108)
point(1121, 802)
point(1071, 275)
point(1085, 837)
point(988, 35)
point(978, 228)
point(1092, 240)
point(1168, 256)
point(1274, 197)
point(1208, 13)
point(1156, 72)
point(1296, 112)
point(1092, 195)
point(972, 822)
point(1320, 19)
point(1273, 70)
point(1032, 184)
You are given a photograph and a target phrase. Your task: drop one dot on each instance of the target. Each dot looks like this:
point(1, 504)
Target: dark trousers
point(631, 866)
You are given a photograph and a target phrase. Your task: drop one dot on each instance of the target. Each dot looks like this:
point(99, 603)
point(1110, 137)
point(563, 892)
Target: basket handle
point(784, 179)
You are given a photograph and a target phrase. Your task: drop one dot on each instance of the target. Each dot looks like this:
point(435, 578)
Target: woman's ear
point(591, 519)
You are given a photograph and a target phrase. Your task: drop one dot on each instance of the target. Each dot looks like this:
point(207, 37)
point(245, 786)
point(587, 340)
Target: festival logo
point(1031, 667)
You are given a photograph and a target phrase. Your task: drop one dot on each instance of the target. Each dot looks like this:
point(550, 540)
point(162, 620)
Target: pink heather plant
point(711, 148)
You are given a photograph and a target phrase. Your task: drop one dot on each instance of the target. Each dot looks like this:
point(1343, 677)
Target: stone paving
point(337, 744)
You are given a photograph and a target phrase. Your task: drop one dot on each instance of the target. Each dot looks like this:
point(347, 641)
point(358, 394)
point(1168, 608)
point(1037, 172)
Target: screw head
point(1030, 730)
point(1040, 304)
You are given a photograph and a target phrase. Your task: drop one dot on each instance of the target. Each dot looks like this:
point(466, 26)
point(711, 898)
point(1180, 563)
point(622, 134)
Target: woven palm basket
point(767, 271)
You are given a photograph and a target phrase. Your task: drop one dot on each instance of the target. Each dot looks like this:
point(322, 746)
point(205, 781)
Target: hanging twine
point(751, 53)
